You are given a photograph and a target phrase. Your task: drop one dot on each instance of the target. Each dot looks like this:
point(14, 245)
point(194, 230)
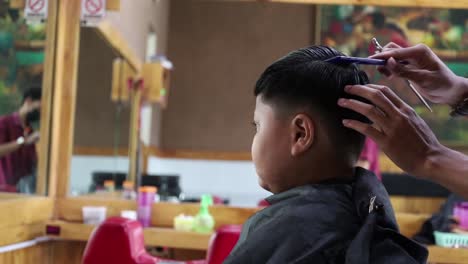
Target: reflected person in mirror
point(18, 157)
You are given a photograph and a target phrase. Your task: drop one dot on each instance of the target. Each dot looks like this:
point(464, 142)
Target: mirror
point(204, 135)
point(101, 125)
point(195, 125)
point(23, 108)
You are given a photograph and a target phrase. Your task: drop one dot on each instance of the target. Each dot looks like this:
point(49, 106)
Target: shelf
point(168, 237)
point(447, 255)
point(154, 236)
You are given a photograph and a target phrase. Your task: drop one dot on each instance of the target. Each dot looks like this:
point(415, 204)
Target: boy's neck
point(345, 173)
point(320, 174)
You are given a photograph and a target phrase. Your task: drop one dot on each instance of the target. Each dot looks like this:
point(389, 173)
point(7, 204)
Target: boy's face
point(271, 147)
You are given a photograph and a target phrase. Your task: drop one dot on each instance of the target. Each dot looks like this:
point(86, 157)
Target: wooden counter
point(171, 238)
point(154, 236)
point(23, 218)
point(162, 214)
point(447, 255)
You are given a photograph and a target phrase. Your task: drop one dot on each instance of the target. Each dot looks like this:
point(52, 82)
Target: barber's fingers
point(390, 95)
point(365, 129)
point(383, 70)
point(370, 111)
point(376, 95)
point(410, 53)
point(406, 71)
point(391, 45)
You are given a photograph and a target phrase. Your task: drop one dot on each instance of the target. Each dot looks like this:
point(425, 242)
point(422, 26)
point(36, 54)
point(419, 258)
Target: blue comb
point(356, 60)
point(349, 60)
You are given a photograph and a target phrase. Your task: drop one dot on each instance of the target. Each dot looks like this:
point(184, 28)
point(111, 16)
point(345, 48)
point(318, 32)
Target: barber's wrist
point(433, 161)
point(460, 98)
point(461, 89)
point(464, 85)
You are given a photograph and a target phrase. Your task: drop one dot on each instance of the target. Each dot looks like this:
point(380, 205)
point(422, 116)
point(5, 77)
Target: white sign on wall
point(92, 11)
point(35, 10)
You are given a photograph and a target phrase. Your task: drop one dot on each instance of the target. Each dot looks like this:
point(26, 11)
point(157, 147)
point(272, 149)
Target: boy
point(323, 210)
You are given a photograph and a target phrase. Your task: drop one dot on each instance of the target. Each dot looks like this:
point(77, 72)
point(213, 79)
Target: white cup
point(94, 215)
point(129, 214)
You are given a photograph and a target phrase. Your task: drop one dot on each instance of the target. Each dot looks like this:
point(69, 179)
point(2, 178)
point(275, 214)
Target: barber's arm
point(13, 146)
point(406, 138)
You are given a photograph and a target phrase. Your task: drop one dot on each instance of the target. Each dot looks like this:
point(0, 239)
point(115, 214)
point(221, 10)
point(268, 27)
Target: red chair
point(263, 203)
point(222, 243)
point(120, 240)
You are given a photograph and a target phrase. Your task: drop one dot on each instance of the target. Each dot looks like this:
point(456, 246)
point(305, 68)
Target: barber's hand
point(397, 129)
point(32, 139)
point(433, 79)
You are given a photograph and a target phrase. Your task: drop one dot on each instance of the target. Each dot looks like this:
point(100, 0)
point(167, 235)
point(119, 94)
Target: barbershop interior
point(234, 131)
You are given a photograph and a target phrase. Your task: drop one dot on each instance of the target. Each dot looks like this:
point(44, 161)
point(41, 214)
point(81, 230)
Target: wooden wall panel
point(39, 254)
point(54, 252)
point(69, 252)
point(219, 49)
point(95, 112)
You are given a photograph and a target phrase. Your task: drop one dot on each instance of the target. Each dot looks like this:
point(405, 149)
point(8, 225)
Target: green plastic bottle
point(204, 222)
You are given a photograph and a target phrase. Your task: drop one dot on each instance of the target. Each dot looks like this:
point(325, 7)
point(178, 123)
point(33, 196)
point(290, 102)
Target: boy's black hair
point(303, 79)
point(34, 93)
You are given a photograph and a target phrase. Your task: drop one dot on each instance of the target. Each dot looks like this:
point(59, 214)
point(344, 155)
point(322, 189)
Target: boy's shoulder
point(320, 223)
point(304, 226)
point(306, 213)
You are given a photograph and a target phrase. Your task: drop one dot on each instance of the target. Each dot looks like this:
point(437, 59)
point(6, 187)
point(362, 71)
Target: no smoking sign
point(92, 11)
point(35, 10)
point(36, 5)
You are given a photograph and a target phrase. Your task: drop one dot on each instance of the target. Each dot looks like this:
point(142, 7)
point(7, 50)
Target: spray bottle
point(204, 222)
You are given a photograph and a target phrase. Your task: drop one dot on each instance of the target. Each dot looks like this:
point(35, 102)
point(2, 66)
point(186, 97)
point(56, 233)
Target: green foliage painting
point(21, 56)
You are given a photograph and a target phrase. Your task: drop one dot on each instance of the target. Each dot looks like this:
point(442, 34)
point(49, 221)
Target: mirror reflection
point(101, 125)
point(22, 48)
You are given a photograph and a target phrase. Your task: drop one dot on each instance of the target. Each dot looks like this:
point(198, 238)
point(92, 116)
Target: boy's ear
point(302, 134)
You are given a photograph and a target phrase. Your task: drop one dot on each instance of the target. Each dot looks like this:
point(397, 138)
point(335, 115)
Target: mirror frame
point(46, 104)
point(28, 223)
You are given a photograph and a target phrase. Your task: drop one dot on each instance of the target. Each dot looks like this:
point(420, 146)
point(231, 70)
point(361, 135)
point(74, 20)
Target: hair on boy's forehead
point(304, 77)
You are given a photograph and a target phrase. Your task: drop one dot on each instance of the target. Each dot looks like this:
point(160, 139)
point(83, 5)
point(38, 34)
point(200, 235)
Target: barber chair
point(222, 243)
point(120, 240)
